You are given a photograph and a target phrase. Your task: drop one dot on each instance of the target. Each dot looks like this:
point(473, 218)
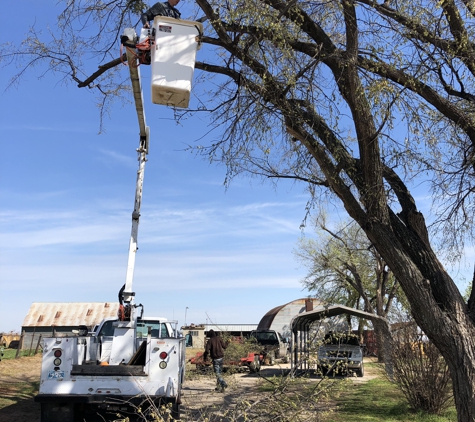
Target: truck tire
point(57, 412)
point(360, 372)
point(271, 358)
point(255, 366)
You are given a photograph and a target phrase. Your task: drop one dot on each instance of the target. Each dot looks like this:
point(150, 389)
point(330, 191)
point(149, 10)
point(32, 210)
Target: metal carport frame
point(300, 326)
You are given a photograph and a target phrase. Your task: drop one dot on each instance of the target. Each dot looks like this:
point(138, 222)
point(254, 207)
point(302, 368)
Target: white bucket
point(173, 60)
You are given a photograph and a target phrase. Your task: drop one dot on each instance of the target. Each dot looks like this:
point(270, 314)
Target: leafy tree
point(345, 268)
point(358, 99)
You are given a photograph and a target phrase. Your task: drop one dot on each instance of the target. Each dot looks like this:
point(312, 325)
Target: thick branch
point(102, 69)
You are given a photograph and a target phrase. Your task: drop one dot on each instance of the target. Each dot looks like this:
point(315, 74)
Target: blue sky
point(67, 195)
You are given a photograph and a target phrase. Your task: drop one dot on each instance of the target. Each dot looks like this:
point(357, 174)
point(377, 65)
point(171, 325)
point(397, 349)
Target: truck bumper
point(100, 399)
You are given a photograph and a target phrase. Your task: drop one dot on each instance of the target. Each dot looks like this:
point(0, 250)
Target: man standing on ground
point(215, 349)
point(160, 9)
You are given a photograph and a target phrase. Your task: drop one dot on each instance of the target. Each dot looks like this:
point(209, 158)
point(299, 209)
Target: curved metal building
point(278, 318)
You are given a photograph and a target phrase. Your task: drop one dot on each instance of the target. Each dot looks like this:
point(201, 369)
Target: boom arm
point(142, 151)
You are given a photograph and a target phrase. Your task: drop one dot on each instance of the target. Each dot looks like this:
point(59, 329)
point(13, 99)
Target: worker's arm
point(158, 9)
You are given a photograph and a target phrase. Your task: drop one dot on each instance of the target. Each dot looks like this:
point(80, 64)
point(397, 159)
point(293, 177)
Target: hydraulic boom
point(142, 151)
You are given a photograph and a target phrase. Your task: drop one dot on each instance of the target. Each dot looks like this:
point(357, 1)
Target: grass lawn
point(11, 353)
point(378, 400)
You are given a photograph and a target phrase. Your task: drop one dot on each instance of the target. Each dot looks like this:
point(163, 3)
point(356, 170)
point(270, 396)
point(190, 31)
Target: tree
point(358, 99)
point(344, 267)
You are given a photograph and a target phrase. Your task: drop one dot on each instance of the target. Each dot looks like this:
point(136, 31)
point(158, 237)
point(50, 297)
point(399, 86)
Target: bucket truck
point(129, 362)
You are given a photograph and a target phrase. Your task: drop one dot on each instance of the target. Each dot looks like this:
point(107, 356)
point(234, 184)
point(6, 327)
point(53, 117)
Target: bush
point(421, 372)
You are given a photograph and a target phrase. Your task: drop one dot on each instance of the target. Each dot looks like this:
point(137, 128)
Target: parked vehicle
point(273, 345)
point(341, 353)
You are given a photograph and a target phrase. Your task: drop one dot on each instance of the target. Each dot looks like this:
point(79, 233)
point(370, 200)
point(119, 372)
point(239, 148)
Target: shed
point(278, 318)
point(61, 318)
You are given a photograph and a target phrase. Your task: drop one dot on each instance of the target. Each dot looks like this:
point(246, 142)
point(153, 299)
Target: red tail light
point(57, 353)
point(163, 355)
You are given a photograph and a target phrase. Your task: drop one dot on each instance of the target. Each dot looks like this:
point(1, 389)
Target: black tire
point(57, 412)
point(361, 371)
point(255, 366)
point(271, 358)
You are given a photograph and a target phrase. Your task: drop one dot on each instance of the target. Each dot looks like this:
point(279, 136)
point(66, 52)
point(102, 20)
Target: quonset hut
point(278, 318)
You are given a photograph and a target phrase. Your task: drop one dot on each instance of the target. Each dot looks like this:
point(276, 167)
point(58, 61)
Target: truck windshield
point(265, 336)
point(159, 330)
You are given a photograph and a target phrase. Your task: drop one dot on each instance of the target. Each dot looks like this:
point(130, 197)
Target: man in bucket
point(160, 9)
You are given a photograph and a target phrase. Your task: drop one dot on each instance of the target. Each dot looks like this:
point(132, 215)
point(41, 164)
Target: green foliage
point(345, 268)
point(238, 347)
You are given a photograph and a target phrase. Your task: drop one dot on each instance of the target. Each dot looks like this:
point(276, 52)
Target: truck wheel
point(271, 357)
point(361, 371)
point(255, 366)
point(57, 412)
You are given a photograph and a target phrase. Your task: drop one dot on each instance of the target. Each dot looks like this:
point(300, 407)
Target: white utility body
point(128, 361)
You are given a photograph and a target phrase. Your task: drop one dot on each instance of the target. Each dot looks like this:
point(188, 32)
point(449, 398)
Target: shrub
point(420, 371)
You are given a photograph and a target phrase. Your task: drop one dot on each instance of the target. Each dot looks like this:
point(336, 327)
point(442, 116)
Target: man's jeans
point(218, 370)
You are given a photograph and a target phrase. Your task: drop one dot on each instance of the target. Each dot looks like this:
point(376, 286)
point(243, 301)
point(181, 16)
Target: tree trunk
point(437, 307)
point(384, 341)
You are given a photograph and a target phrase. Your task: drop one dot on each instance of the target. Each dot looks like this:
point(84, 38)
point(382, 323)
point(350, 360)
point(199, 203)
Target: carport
point(300, 327)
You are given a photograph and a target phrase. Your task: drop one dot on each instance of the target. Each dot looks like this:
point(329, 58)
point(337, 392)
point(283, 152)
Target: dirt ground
point(199, 397)
point(16, 405)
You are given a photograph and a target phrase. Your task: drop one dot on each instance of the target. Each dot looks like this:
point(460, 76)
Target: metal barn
point(55, 318)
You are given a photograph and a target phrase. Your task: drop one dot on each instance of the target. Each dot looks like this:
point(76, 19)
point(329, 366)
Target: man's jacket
point(214, 347)
point(160, 9)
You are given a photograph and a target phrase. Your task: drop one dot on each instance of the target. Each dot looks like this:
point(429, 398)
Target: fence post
point(31, 342)
point(38, 344)
point(20, 346)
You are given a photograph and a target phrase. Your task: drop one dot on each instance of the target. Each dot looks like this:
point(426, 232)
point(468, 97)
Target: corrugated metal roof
point(302, 322)
point(69, 313)
point(278, 318)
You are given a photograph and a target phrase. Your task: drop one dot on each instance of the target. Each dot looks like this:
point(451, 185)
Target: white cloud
point(108, 156)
